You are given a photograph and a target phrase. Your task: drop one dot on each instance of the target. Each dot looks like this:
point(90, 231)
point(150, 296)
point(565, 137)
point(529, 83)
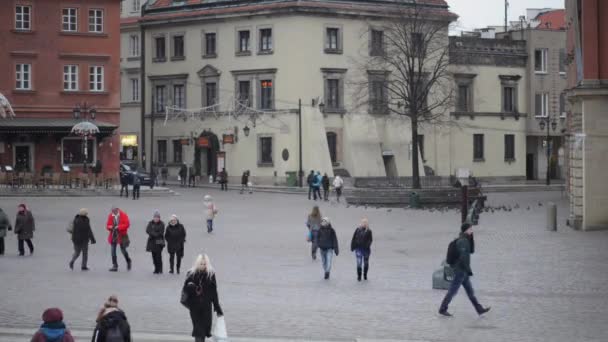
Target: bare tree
point(407, 68)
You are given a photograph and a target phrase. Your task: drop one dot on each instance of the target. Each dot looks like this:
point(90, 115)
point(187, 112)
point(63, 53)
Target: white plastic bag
point(219, 330)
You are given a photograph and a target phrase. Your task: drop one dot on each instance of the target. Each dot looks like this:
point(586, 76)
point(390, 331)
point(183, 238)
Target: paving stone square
point(541, 285)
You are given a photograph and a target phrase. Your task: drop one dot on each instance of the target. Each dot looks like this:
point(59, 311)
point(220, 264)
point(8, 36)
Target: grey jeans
point(84, 249)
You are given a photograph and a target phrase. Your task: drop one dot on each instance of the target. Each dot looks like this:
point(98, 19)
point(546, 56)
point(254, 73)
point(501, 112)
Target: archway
point(205, 154)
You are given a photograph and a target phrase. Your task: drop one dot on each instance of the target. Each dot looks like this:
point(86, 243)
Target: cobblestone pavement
point(542, 286)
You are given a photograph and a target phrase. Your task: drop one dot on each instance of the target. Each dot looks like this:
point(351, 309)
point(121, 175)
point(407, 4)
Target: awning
point(51, 125)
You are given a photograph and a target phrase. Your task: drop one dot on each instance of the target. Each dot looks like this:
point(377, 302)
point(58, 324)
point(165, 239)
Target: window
point(23, 76)
point(178, 47)
point(134, 45)
point(69, 20)
point(96, 20)
point(377, 43)
point(23, 17)
point(265, 152)
point(244, 91)
point(210, 44)
point(160, 48)
point(463, 98)
point(562, 105)
point(541, 104)
point(332, 145)
point(562, 61)
point(477, 147)
point(508, 100)
point(332, 99)
point(378, 98)
point(162, 151)
point(244, 45)
point(135, 89)
point(210, 94)
point(540, 60)
point(73, 151)
point(178, 96)
point(417, 44)
point(177, 151)
point(136, 5)
point(70, 77)
point(96, 78)
point(332, 40)
point(421, 146)
point(266, 40)
point(266, 97)
point(509, 147)
point(160, 98)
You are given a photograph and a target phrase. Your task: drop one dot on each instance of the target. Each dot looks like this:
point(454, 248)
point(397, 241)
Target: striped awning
point(39, 125)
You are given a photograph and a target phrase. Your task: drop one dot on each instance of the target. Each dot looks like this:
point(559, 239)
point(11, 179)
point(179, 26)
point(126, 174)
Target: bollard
point(551, 216)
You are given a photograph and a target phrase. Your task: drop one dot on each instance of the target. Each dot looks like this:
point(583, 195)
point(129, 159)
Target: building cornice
point(167, 77)
point(83, 56)
point(254, 71)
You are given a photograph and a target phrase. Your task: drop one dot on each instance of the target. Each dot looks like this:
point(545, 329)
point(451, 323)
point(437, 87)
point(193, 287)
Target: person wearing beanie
point(118, 227)
point(156, 241)
point(52, 329)
point(463, 272)
point(24, 228)
point(82, 234)
point(328, 243)
point(112, 324)
point(361, 245)
point(175, 235)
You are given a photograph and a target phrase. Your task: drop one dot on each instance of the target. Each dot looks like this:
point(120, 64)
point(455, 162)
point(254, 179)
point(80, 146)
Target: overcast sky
point(481, 13)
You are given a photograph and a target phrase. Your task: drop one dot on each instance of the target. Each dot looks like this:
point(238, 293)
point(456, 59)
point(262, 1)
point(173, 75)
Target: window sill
point(540, 72)
point(133, 58)
point(82, 92)
point(334, 111)
point(333, 51)
point(376, 54)
point(178, 58)
point(24, 91)
point(159, 60)
point(243, 53)
point(265, 164)
point(479, 160)
point(83, 34)
point(265, 52)
point(210, 56)
point(130, 104)
point(509, 160)
point(23, 31)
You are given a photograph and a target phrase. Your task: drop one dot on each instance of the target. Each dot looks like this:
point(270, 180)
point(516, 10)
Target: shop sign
point(128, 140)
point(203, 142)
point(228, 139)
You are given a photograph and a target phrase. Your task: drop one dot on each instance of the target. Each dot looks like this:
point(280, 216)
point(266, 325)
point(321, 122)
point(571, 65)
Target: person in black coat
point(325, 183)
point(81, 235)
point(361, 245)
point(124, 184)
point(328, 243)
point(175, 234)
point(24, 228)
point(156, 241)
point(111, 322)
point(200, 289)
point(310, 180)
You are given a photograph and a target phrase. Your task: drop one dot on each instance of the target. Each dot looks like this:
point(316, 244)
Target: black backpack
point(114, 334)
point(453, 254)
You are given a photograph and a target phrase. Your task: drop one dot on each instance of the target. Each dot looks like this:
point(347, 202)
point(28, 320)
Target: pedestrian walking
point(210, 212)
point(310, 180)
point(245, 182)
point(224, 179)
point(175, 234)
point(118, 227)
point(325, 183)
point(164, 173)
point(82, 234)
point(24, 228)
point(5, 227)
point(112, 324)
point(199, 295)
point(361, 245)
point(136, 185)
point(52, 329)
point(183, 173)
point(338, 184)
point(124, 184)
point(463, 247)
point(316, 186)
point(191, 177)
point(156, 241)
point(313, 222)
point(328, 243)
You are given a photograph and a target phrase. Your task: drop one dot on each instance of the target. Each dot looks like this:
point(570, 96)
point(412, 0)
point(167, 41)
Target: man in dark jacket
point(325, 183)
point(310, 180)
point(24, 228)
point(136, 185)
point(328, 243)
point(81, 235)
point(5, 226)
point(224, 179)
point(183, 172)
point(124, 184)
point(462, 272)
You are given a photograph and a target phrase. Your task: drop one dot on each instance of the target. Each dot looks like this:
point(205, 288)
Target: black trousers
point(310, 191)
point(172, 260)
point(316, 192)
point(124, 187)
point(224, 186)
point(157, 259)
point(84, 249)
point(338, 193)
point(30, 245)
point(1, 245)
point(199, 339)
point(326, 194)
point(192, 181)
point(135, 191)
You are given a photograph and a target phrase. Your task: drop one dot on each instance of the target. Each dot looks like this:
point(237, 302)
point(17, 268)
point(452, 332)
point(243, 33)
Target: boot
point(365, 272)
point(326, 275)
point(128, 264)
point(358, 273)
point(179, 263)
point(114, 264)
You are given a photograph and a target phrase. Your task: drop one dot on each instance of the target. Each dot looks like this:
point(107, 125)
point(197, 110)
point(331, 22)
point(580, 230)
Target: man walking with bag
point(462, 271)
point(118, 225)
point(82, 234)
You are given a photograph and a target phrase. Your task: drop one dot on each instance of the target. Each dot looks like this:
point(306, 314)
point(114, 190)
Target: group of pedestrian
point(322, 236)
point(125, 179)
point(24, 229)
point(315, 182)
point(173, 236)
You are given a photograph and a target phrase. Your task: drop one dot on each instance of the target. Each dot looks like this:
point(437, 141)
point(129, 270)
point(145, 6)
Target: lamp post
point(85, 127)
point(549, 123)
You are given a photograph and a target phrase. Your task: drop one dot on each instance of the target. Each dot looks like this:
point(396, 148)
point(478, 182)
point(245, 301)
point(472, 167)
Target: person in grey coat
point(5, 226)
point(328, 243)
point(82, 234)
point(24, 228)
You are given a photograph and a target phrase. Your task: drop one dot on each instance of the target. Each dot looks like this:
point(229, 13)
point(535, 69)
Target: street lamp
point(548, 122)
point(85, 127)
point(246, 130)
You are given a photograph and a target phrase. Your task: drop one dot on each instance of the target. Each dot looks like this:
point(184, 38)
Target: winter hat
point(325, 221)
point(83, 212)
point(465, 226)
point(173, 217)
point(207, 198)
point(112, 302)
point(156, 214)
point(21, 205)
point(52, 315)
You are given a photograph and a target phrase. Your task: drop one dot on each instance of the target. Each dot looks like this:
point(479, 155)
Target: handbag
point(71, 227)
point(185, 299)
point(309, 236)
point(219, 329)
point(125, 241)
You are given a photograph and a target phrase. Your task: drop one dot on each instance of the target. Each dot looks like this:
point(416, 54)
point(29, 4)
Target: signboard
point(203, 142)
point(221, 161)
point(128, 140)
point(228, 139)
point(185, 141)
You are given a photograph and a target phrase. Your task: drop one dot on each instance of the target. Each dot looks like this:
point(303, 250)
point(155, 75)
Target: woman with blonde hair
point(199, 294)
point(112, 324)
point(314, 224)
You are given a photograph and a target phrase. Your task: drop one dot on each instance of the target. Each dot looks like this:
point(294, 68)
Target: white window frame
point(563, 111)
point(544, 111)
point(134, 45)
point(94, 14)
point(269, 42)
point(66, 19)
point(20, 15)
point(136, 6)
point(70, 77)
point(544, 56)
point(22, 76)
point(260, 152)
point(134, 89)
point(96, 78)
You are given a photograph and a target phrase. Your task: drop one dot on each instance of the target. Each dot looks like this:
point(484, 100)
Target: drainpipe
point(142, 93)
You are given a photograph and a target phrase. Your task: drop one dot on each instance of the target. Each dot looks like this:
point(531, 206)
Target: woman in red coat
point(118, 226)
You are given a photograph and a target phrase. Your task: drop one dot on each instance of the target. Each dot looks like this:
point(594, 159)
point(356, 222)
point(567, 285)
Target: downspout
point(142, 85)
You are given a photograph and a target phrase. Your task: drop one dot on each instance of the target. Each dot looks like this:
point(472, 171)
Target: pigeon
point(540, 204)
point(528, 208)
